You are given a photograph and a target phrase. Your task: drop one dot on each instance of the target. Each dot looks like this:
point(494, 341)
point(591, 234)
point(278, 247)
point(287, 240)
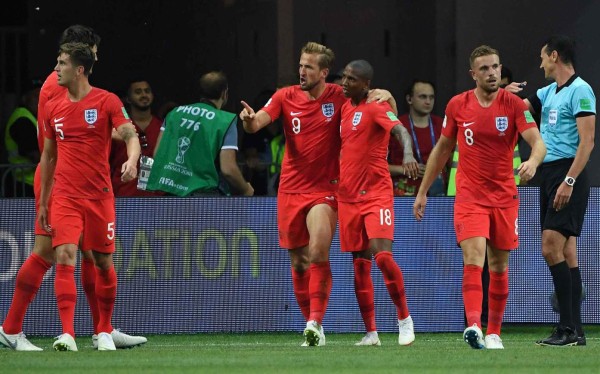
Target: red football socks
point(29, 279)
point(497, 297)
point(363, 287)
point(301, 284)
point(88, 281)
point(106, 293)
point(319, 290)
point(394, 281)
point(472, 291)
point(66, 296)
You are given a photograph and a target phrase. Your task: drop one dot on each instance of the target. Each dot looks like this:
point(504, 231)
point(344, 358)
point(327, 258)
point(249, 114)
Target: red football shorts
point(361, 221)
point(292, 210)
point(91, 220)
point(37, 190)
point(498, 225)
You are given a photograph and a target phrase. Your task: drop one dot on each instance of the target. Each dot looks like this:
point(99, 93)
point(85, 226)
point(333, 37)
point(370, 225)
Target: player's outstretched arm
point(253, 121)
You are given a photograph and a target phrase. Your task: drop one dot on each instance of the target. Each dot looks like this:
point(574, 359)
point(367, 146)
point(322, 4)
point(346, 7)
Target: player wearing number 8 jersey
point(306, 202)
point(74, 165)
point(366, 197)
point(486, 122)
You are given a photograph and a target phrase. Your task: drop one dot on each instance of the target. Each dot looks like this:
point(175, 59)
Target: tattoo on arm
point(402, 135)
point(126, 132)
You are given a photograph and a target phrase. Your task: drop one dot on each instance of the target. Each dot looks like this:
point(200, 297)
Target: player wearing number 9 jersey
point(486, 122)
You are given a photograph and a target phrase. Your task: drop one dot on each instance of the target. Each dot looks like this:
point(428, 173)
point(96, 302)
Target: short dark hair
point(80, 34)
point(411, 89)
point(563, 45)
point(80, 54)
point(136, 79)
point(212, 85)
point(362, 68)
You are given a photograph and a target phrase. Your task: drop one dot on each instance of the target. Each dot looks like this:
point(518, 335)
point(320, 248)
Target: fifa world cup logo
point(183, 144)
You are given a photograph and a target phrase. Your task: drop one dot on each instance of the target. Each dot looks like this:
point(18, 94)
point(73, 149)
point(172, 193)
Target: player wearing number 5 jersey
point(366, 197)
point(486, 122)
point(74, 165)
point(306, 202)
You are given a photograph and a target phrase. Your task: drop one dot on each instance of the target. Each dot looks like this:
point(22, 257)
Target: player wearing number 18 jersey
point(486, 121)
point(366, 198)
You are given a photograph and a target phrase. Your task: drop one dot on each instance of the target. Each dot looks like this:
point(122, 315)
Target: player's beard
point(490, 89)
point(309, 86)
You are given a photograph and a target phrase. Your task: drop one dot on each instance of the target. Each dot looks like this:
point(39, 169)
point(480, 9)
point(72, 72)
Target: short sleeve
point(230, 139)
point(449, 128)
point(583, 100)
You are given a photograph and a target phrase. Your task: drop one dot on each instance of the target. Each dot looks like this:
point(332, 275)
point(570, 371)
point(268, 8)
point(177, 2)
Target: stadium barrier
point(198, 265)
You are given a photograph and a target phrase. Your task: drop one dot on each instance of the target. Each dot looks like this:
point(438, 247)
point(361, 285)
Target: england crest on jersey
point(356, 119)
point(91, 116)
point(501, 123)
point(328, 110)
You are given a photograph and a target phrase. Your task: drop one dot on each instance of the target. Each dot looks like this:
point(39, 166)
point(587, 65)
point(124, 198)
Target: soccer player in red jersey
point(74, 167)
point(486, 122)
point(306, 201)
point(33, 270)
point(366, 197)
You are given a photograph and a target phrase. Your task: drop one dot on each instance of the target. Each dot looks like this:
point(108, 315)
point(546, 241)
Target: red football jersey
point(486, 143)
point(50, 89)
point(365, 133)
point(312, 138)
point(83, 135)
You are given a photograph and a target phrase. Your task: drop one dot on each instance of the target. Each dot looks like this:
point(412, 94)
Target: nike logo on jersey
point(295, 113)
point(58, 119)
point(330, 198)
point(467, 124)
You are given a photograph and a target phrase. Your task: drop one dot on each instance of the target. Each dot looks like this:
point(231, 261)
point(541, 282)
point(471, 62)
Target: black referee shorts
point(569, 220)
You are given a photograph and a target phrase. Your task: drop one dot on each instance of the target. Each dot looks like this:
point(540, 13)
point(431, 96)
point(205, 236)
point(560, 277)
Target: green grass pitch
point(281, 353)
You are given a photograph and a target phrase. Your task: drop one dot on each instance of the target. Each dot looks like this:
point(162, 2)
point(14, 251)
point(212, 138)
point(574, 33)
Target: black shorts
point(569, 220)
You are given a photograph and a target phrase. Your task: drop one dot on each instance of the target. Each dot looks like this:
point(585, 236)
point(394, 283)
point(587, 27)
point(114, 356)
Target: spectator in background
point(424, 128)
point(139, 97)
point(193, 139)
point(20, 139)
